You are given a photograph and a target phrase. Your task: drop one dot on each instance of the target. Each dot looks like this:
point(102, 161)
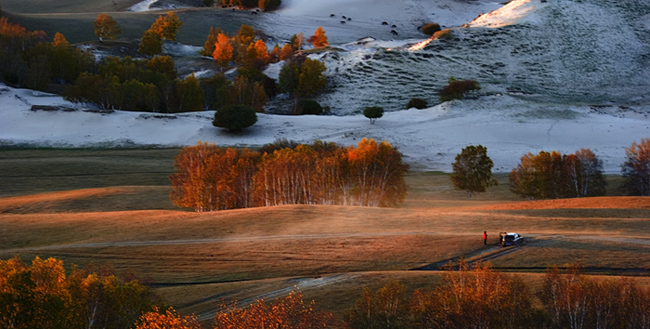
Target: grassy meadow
point(112, 207)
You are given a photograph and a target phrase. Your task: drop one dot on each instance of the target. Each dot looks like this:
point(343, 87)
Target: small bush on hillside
point(431, 28)
point(418, 103)
point(444, 34)
point(208, 3)
point(456, 89)
point(373, 113)
point(235, 117)
point(309, 106)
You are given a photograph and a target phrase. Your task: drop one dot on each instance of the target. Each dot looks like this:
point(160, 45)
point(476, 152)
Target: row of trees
point(28, 59)
point(137, 84)
point(209, 178)
point(481, 298)
point(554, 175)
point(41, 295)
point(301, 77)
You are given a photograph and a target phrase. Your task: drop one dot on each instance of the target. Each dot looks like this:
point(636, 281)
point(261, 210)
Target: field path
point(294, 284)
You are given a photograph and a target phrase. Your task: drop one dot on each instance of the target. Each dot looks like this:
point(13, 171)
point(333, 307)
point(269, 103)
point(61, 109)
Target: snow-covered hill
point(556, 75)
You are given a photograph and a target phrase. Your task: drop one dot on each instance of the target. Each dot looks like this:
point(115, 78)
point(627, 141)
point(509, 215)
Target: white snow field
point(558, 75)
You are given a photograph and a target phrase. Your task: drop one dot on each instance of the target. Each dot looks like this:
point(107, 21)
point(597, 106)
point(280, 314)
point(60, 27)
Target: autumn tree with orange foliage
point(319, 39)
point(371, 174)
point(167, 27)
point(106, 27)
point(290, 312)
point(60, 41)
point(211, 178)
point(376, 175)
point(40, 295)
point(168, 320)
point(286, 52)
point(223, 50)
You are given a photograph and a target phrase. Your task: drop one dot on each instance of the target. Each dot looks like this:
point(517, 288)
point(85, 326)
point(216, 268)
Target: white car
point(511, 239)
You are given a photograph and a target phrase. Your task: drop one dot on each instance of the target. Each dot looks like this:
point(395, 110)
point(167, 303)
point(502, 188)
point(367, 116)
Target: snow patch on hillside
point(429, 139)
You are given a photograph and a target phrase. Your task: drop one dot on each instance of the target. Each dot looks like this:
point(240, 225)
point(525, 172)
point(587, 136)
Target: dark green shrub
point(235, 117)
point(457, 89)
point(373, 113)
point(418, 103)
point(309, 106)
point(208, 3)
point(431, 28)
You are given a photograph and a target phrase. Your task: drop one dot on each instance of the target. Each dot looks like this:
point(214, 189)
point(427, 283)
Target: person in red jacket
point(485, 238)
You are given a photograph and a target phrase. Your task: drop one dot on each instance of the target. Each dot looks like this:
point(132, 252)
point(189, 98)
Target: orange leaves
point(290, 312)
point(223, 50)
point(209, 178)
point(318, 40)
point(168, 320)
point(167, 27)
point(40, 295)
point(106, 27)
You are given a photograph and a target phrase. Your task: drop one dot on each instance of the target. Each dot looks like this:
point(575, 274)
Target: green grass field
point(77, 26)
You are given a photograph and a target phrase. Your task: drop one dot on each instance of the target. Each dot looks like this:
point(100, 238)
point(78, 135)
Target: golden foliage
point(168, 320)
point(319, 39)
point(167, 27)
point(106, 27)
point(371, 174)
point(223, 50)
point(290, 312)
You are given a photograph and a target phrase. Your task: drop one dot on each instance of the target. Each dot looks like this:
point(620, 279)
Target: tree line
point(41, 295)
point(552, 175)
point(151, 83)
point(208, 177)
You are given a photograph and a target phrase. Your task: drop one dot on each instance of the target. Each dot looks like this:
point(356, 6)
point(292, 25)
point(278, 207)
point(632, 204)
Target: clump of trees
point(141, 85)
point(302, 77)
point(467, 298)
point(456, 89)
point(41, 295)
point(290, 312)
point(478, 297)
point(636, 168)
point(28, 59)
point(164, 28)
point(208, 178)
point(243, 49)
point(373, 113)
point(472, 170)
point(553, 175)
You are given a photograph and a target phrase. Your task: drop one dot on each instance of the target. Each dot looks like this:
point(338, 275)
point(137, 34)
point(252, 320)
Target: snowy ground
point(559, 75)
point(429, 139)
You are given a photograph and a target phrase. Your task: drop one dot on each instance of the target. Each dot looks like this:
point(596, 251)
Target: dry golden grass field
point(112, 207)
